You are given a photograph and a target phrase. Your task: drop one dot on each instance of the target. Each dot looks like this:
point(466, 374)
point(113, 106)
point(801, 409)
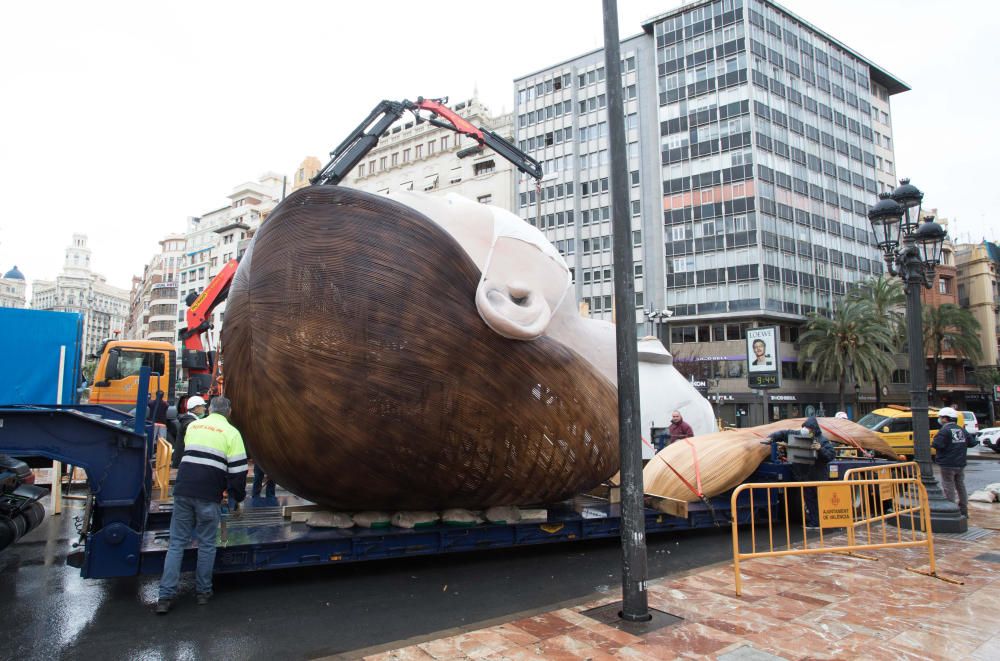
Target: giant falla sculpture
point(372, 362)
point(414, 352)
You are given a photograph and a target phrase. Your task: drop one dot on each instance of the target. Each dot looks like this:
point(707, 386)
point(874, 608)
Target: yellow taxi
point(894, 424)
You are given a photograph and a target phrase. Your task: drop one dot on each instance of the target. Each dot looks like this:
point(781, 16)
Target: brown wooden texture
point(362, 376)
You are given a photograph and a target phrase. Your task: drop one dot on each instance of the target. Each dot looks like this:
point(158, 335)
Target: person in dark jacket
point(214, 461)
point(195, 410)
point(158, 409)
point(678, 429)
point(825, 453)
point(952, 445)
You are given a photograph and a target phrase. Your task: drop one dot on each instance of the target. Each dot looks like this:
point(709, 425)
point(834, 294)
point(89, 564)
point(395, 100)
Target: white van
point(971, 424)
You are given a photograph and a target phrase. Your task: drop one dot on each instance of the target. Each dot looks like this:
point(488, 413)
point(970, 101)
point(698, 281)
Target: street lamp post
point(912, 250)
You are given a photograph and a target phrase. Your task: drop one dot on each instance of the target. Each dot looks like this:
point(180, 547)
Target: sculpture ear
point(513, 310)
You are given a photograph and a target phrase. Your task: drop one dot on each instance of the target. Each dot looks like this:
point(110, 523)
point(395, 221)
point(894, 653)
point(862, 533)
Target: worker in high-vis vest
point(214, 461)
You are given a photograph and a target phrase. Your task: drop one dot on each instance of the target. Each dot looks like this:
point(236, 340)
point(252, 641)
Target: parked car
point(894, 424)
point(971, 424)
point(990, 438)
point(20, 511)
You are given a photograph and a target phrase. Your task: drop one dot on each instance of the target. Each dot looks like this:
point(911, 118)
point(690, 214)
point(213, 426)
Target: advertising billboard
point(763, 362)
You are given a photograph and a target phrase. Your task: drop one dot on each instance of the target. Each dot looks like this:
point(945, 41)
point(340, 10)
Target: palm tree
point(851, 340)
point(888, 301)
point(949, 327)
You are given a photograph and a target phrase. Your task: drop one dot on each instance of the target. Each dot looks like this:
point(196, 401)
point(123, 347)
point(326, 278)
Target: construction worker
point(816, 471)
point(195, 410)
point(214, 461)
point(952, 445)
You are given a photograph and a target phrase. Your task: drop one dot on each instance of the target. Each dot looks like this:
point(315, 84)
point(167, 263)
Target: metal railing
point(879, 507)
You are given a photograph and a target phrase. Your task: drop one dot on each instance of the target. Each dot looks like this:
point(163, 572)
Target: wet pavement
point(50, 612)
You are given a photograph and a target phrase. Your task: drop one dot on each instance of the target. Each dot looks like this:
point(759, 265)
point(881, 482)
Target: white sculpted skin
point(525, 292)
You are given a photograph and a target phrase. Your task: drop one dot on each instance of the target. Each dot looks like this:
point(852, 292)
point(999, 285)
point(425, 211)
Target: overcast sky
point(120, 119)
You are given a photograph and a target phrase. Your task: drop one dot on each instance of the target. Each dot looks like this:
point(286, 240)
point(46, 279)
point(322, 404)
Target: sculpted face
point(525, 291)
point(524, 278)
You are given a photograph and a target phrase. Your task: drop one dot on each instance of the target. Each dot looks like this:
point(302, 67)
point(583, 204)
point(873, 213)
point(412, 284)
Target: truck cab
point(116, 379)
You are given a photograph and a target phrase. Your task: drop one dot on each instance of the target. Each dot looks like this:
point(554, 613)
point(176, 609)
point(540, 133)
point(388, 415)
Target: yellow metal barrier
point(161, 473)
point(886, 505)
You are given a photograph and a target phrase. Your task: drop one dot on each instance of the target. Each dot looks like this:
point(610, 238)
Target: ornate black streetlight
point(912, 250)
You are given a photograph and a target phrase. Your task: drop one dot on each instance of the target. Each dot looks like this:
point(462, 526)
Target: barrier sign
point(835, 510)
point(885, 488)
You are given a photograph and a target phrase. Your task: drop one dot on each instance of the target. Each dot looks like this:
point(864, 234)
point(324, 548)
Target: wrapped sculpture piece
point(722, 460)
point(379, 359)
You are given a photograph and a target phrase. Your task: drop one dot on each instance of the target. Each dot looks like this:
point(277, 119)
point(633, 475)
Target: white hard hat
point(948, 412)
point(841, 415)
point(195, 401)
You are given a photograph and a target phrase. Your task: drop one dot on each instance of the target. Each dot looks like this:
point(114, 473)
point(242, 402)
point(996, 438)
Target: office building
point(756, 143)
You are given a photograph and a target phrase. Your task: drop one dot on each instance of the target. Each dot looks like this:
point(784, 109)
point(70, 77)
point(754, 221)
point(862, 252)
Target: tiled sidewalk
point(797, 607)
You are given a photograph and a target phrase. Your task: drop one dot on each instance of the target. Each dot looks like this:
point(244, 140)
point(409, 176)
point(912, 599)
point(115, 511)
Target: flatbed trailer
point(126, 530)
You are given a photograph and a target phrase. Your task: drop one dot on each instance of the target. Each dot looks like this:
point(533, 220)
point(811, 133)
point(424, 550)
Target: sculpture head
point(366, 309)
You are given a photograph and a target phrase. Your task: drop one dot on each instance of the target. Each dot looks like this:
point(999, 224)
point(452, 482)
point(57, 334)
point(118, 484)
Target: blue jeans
point(200, 517)
point(258, 479)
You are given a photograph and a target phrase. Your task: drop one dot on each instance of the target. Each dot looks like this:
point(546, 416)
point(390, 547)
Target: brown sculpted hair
point(362, 376)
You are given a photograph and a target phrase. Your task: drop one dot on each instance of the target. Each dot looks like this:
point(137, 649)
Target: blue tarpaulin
point(30, 343)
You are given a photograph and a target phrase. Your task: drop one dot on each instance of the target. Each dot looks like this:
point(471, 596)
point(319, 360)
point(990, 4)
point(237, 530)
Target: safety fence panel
point(161, 472)
point(886, 509)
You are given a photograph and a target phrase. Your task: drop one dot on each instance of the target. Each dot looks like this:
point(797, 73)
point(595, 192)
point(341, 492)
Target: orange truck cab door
point(116, 379)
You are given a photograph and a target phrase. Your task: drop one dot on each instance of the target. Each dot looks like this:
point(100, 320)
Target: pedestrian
point(195, 410)
point(813, 472)
point(678, 428)
point(952, 445)
point(260, 478)
point(158, 409)
point(214, 461)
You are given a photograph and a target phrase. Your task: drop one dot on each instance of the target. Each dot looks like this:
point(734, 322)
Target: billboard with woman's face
point(763, 365)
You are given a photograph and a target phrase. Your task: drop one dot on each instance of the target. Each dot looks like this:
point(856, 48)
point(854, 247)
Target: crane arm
point(363, 139)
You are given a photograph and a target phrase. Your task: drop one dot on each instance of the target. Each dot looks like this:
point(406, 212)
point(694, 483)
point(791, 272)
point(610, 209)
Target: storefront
point(744, 409)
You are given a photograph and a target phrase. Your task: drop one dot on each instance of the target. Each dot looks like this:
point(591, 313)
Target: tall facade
point(978, 290)
point(308, 168)
point(153, 300)
point(78, 289)
point(13, 288)
point(756, 144)
point(215, 238)
point(423, 157)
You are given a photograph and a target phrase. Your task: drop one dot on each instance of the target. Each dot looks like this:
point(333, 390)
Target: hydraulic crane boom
point(202, 368)
point(351, 151)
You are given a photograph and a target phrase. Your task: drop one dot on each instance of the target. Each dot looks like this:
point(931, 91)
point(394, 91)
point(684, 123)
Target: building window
point(484, 199)
point(900, 376)
point(406, 155)
point(382, 162)
point(430, 148)
point(484, 167)
point(418, 152)
point(444, 142)
point(944, 285)
point(395, 158)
